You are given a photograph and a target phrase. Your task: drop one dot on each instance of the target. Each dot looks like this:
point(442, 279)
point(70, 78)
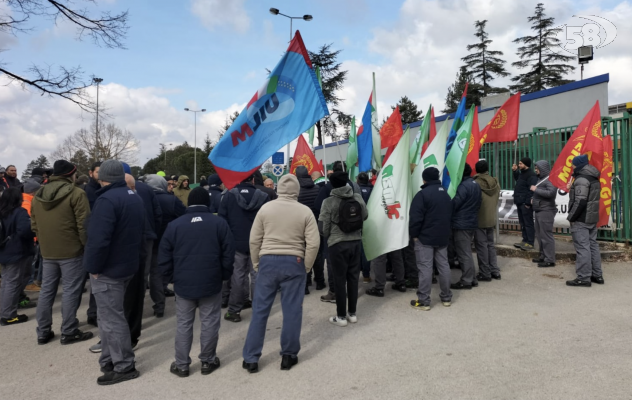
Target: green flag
point(386, 229)
point(434, 156)
point(311, 130)
point(352, 152)
point(455, 161)
point(421, 139)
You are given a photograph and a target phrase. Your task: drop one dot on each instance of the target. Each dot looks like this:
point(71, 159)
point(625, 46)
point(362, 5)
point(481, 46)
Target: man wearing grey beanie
point(112, 257)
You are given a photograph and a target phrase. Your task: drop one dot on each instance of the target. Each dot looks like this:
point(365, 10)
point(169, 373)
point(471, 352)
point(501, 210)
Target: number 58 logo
point(599, 32)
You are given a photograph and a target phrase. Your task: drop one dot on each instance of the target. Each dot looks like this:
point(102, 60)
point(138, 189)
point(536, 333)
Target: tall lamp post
point(98, 82)
point(306, 17)
point(195, 141)
point(166, 148)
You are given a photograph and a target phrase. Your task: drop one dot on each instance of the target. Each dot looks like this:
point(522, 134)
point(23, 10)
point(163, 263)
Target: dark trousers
point(365, 264)
point(134, 299)
point(330, 269)
point(345, 259)
point(525, 217)
point(319, 265)
point(411, 271)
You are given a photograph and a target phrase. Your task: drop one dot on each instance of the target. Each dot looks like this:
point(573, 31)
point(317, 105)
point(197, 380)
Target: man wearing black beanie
point(525, 178)
point(198, 250)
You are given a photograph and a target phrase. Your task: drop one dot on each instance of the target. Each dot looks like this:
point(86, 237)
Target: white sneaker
point(446, 303)
point(96, 348)
point(340, 321)
point(352, 318)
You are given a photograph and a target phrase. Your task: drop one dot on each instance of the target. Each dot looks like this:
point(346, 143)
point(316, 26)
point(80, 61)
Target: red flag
point(504, 126)
point(433, 131)
point(589, 127)
point(391, 132)
point(322, 169)
point(605, 199)
point(303, 156)
point(473, 153)
point(465, 90)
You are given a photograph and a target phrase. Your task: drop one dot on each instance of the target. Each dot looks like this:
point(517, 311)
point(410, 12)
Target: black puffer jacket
point(430, 215)
point(309, 191)
point(522, 191)
point(467, 202)
point(584, 196)
point(545, 193)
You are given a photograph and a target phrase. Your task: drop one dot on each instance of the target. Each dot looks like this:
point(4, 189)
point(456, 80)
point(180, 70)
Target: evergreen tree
point(408, 109)
point(81, 161)
point(39, 162)
point(547, 67)
point(455, 91)
point(484, 64)
point(227, 123)
point(333, 80)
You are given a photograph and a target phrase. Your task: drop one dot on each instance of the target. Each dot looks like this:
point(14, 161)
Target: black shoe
point(207, 367)
point(481, 278)
point(134, 344)
point(253, 368)
point(109, 367)
point(26, 303)
point(93, 321)
point(46, 339)
point(182, 373)
point(306, 290)
point(225, 305)
point(460, 285)
point(578, 283)
point(537, 260)
point(375, 292)
point(287, 362)
point(247, 305)
point(159, 314)
point(400, 288)
point(169, 293)
point(597, 279)
point(455, 265)
point(474, 283)
point(320, 286)
point(412, 283)
point(390, 278)
point(434, 280)
point(309, 281)
point(76, 337)
point(518, 245)
point(23, 318)
point(113, 377)
point(496, 276)
point(546, 264)
point(232, 317)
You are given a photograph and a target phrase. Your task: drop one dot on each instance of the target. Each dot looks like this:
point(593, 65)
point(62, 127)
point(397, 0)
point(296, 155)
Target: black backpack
point(350, 215)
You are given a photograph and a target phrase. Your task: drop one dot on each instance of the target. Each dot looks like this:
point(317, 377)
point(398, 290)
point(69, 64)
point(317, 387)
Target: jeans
point(525, 217)
point(345, 259)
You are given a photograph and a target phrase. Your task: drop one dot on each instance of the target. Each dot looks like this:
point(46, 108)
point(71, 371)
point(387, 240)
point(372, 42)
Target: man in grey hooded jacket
point(543, 202)
point(583, 215)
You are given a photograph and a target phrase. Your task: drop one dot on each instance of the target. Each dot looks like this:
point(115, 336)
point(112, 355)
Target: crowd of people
point(236, 249)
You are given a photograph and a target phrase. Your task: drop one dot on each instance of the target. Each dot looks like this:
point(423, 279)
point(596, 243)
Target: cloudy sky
point(213, 54)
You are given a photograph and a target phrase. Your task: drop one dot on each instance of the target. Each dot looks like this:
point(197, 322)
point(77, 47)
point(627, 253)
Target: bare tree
point(106, 30)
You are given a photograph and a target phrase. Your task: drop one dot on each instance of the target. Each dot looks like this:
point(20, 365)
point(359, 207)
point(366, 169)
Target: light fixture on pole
point(306, 17)
point(165, 146)
point(195, 141)
point(98, 82)
point(584, 54)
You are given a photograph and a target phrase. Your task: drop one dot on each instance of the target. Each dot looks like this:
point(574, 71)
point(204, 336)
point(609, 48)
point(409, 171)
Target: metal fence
point(546, 144)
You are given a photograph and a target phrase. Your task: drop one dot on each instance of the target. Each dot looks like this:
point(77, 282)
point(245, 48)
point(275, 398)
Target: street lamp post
point(167, 144)
point(195, 141)
point(97, 81)
point(306, 17)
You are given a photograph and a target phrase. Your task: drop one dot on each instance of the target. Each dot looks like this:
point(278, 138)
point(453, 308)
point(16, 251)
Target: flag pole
point(325, 157)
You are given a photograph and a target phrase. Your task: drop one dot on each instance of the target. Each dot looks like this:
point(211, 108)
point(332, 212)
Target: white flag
point(434, 156)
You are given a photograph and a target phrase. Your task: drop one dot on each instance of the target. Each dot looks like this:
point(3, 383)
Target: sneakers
point(182, 373)
point(208, 367)
point(32, 288)
point(446, 303)
point(75, 337)
point(287, 362)
point(253, 368)
point(460, 286)
point(546, 264)
point(93, 321)
point(232, 317)
point(390, 278)
point(328, 298)
point(23, 318)
point(375, 292)
point(113, 377)
point(496, 276)
point(577, 283)
point(109, 367)
point(96, 348)
point(46, 339)
point(481, 278)
point(338, 321)
point(594, 279)
point(526, 247)
point(367, 280)
point(518, 245)
point(352, 318)
point(400, 288)
point(419, 306)
point(27, 303)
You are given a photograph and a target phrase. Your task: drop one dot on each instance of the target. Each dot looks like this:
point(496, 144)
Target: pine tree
point(408, 109)
point(547, 67)
point(455, 91)
point(39, 162)
point(484, 64)
point(227, 123)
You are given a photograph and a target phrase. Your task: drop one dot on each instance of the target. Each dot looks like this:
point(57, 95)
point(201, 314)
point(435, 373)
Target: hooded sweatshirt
point(58, 215)
point(545, 193)
point(490, 191)
point(584, 196)
point(285, 227)
point(309, 191)
point(182, 192)
point(329, 216)
point(239, 208)
point(170, 206)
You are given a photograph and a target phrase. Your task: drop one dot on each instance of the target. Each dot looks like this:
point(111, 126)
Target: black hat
point(526, 161)
point(214, 180)
point(430, 174)
point(39, 171)
point(63, 168)
point(482, 166)
point(338, 179)
point(467, 170)
point(199, 197)
point(203, 182)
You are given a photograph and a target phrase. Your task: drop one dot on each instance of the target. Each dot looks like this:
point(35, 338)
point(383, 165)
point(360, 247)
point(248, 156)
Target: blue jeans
point(288, 274)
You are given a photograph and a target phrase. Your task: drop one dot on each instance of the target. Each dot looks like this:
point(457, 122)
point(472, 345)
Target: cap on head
point(580, 161)
point(63, 168)
point(467, 170)
point(482, 166)
point(111, 171)
point(199, 197)
point(430, 174)
point(338, 179)
point(526, 161)
point(214, 180)
point(126, 168)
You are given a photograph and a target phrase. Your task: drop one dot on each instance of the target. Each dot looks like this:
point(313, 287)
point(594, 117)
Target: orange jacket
point(26, 204)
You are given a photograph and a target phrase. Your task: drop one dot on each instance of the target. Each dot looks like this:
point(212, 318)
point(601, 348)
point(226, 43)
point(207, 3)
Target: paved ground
point(525, 337)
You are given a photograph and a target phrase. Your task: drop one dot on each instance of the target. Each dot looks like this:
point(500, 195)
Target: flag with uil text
point(455, 160)
point(386, 229)
point(434, 156)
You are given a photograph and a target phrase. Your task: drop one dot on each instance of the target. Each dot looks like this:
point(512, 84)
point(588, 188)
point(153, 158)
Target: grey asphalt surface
point(527, 336)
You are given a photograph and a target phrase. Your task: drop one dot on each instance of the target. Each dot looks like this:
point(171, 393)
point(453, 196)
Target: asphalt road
point(525, 337)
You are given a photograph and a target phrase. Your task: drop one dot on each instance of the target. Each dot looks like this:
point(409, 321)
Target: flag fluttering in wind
point(474, 150)
point(433, 131)
point(434, 156)
point(288, 103)
point(364, 138)
point(391, 132)
point(303, 156)
point(459, 118)
point(352, 152)
point(504, 126)
point(386, 229)
point(605, 199)
point(422, 138)
point(455, 160)
point(312, 129)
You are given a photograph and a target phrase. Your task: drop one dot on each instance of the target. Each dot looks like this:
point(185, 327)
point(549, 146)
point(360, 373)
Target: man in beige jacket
point(284, 242)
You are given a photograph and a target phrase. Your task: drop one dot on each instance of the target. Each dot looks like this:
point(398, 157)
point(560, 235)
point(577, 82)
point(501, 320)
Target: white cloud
point(219, 13)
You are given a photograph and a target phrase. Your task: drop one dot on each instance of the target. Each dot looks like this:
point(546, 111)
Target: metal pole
point(97, 127)
point(195, 147)
point(287, 148)
point(496, 172)
point(325, 158)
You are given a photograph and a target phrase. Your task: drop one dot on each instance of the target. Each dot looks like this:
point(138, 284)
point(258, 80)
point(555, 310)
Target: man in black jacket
point(198, 250)
point(429, 226)
point(466, 202)
point(91, 191)
point(307, 196)
point(525, 178)
point(259, 185)
point(215, 190)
